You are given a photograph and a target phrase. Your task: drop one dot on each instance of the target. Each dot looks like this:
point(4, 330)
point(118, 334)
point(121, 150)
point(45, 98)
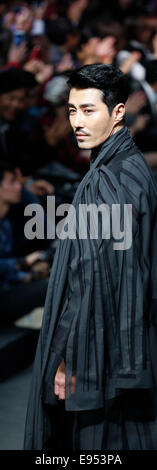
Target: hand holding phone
point(19, 37)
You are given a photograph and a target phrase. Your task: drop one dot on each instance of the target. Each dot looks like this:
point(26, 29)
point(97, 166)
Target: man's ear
point(119, 112)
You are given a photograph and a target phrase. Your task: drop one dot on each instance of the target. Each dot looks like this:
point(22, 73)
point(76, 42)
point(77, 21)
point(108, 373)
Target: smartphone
point(19, 37)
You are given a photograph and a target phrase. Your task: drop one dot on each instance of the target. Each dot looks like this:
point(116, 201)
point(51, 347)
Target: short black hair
point(110, 80)
point(4, 167)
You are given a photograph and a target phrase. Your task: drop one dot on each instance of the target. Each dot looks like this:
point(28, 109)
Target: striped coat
point(100, 316)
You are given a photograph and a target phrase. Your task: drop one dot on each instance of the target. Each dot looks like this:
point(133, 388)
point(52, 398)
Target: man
point(95, 369)
point(15, 88)
point(16, 145)
point(146, 139)
point(23, 281)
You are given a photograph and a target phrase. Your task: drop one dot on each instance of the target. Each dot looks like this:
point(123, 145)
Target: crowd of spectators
point(40, 43)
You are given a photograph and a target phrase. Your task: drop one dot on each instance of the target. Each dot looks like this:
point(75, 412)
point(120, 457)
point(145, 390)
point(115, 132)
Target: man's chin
point(84, 145)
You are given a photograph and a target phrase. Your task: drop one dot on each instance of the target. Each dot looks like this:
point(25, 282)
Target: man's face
point(89, 117)
point(10, 188)
point(11, 103)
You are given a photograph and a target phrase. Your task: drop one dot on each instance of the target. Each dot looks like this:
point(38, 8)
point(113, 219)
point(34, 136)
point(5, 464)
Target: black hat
point(16, 79)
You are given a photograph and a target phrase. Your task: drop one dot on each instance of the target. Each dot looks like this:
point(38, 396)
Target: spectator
point(16, 89)
point(5, 43)
point(24, 280)
point(65, 38)
point(146, 138)
point(13, 85)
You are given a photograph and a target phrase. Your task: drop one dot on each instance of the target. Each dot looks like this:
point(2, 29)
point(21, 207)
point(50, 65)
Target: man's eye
point(71, 111)
point(88, 111)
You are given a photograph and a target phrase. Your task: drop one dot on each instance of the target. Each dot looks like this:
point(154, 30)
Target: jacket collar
point(112, 145)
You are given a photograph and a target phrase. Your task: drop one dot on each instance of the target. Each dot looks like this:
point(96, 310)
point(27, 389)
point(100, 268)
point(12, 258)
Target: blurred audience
point(23, 280)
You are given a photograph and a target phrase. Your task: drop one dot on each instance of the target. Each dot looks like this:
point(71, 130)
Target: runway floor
point(13, 404)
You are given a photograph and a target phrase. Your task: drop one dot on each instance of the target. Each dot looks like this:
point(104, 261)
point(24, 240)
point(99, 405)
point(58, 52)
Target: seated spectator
point(21, 139)
point(13, 85)
point(21, 245)
point(16, 145)
point(23, 280)
point(150, 88)
point(140, 48)
point(86, 49)
point(5, 42)
point(64, 38)
point(146, 138)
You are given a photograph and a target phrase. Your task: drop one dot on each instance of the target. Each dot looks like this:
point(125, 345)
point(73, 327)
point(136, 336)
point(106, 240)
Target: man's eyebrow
point(85, 105)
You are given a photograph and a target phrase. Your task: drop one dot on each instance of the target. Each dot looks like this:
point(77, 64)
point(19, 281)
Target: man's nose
point(78, 120)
